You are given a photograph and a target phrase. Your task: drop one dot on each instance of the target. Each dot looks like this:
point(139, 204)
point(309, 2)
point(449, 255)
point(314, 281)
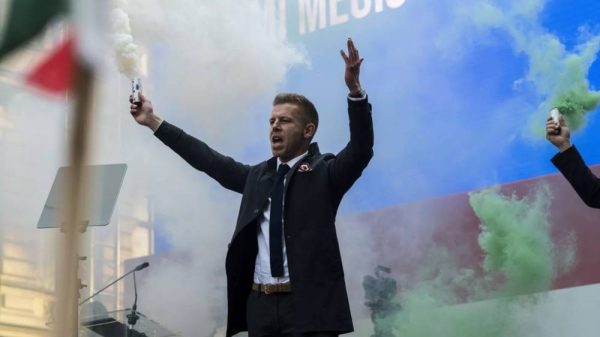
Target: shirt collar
point(292, 162)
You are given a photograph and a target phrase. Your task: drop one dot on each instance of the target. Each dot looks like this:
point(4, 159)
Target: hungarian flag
point(27, 19)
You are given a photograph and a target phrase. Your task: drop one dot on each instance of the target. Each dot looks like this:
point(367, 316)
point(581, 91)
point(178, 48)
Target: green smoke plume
point(558, 75)
point(572, 97)
point(520, 264)
point(516, 239)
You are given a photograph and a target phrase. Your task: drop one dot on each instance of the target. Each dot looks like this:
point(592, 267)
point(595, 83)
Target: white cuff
point(364, 96)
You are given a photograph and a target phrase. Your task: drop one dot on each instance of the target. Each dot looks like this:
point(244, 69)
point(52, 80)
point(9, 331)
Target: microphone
point(141, 266)
point(133, 317)
point(138, 268)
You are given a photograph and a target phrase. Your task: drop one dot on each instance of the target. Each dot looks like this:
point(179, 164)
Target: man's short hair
point(308, 110)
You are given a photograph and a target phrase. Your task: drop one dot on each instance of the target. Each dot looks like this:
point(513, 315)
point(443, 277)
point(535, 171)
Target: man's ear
point(309, 130)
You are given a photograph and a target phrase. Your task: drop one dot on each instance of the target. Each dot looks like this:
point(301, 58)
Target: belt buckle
point(267, 289)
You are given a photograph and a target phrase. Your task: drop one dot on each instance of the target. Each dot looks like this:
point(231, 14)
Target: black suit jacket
point(574, 169)
point(312, 198)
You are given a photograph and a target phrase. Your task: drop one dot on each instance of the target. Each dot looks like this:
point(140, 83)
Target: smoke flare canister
point(136, 86)
point(554, 114)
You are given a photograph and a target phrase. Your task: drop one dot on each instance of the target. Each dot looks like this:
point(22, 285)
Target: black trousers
point(272, 315)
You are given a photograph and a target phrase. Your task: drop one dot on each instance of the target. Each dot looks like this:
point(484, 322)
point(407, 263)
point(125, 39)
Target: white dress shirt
point(262, 267)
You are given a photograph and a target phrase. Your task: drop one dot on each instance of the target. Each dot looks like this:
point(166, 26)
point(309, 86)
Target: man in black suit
point(284, 270)
point(571, 165)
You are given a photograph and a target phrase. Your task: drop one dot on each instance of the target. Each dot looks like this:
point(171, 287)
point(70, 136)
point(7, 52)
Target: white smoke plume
point(128, 61)
point(211, 59)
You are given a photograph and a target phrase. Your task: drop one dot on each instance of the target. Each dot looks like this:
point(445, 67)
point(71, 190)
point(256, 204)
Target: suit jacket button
point(228, 245)
point(256, 211)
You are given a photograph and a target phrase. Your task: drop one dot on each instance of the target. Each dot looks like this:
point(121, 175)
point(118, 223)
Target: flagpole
point(67, 323)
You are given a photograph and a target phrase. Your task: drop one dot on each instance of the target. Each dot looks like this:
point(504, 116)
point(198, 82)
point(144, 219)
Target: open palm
point(353, 62)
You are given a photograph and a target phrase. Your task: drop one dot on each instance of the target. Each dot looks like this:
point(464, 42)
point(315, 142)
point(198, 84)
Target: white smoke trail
point(215, 58)
point(125, 50)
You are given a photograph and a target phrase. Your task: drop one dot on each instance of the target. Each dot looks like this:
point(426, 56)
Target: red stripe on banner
point(400, 237)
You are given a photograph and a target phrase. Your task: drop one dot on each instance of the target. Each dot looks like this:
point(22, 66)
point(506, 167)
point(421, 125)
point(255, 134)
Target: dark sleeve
point(574, 169)
point(226, 171)
point(349, 164)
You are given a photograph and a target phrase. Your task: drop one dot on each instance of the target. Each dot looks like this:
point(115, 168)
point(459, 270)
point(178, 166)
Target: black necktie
point(275, 223)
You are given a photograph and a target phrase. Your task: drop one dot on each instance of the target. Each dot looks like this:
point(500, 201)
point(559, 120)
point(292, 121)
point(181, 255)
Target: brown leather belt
point(272, 288)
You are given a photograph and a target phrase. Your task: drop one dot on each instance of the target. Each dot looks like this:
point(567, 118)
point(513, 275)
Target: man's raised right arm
point(225, 170)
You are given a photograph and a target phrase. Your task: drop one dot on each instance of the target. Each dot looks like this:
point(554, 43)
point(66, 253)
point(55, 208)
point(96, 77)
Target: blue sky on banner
point(452, 104)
